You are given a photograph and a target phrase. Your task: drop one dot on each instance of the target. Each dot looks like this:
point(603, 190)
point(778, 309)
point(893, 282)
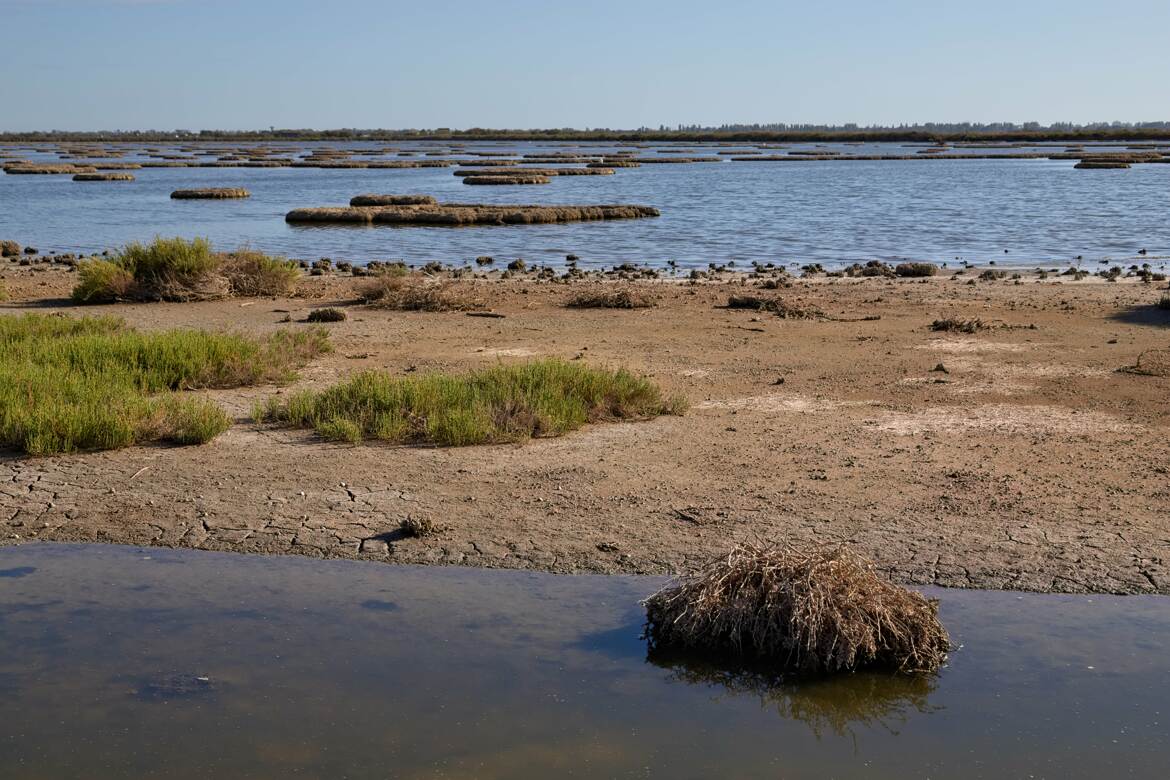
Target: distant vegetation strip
point(1027, 132)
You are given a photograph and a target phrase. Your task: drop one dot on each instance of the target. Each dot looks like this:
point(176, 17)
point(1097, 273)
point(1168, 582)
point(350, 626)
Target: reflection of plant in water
point(825, 704)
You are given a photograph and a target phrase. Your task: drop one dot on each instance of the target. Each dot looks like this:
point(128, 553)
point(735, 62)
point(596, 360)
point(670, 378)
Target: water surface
point(1015, 212)
point(119, 661)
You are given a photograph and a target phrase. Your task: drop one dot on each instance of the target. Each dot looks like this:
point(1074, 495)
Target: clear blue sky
point(194, 64)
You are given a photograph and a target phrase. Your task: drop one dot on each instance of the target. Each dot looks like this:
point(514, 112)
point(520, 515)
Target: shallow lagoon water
point(1040, 211)
point(351, 669)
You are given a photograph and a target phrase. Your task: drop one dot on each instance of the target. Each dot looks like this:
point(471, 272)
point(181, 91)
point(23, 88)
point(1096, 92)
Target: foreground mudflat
point(130, 662)
point(1030, 463)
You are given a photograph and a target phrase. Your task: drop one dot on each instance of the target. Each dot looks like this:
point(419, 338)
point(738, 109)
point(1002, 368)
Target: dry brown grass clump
point(610, 299)
point(1152, 362)
point(957, 325)
point(417, 527)
point(9, 249)
point(777, 306)
point(818, 611)
point(211, 193)
point(458, 214)
point(392, 200)
point(916, 269)
point(328, 314)
point(103, 177)
point(406, 293)
point(253, 274)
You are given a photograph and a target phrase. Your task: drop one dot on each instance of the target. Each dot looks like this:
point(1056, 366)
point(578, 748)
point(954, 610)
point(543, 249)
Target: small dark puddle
point(114, 662)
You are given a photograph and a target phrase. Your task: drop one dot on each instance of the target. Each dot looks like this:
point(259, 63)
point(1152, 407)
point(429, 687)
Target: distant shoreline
point(841, 135)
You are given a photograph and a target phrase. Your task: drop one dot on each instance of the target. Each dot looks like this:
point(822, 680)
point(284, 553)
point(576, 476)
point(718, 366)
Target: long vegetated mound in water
point(93, 383)
point(103, 177)
point(211, 193)
point(46, 168)
point(506, 180)
point(786, 610)
point(360, 212)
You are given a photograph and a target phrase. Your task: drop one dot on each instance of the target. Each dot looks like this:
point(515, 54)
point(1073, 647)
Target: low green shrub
point(505, 403)
point(175, 269)
point(93, 383)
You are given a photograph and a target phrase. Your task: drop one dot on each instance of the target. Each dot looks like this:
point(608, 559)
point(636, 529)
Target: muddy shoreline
point(1028, 462)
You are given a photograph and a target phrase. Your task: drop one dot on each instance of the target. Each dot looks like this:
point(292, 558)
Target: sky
point(254, 64)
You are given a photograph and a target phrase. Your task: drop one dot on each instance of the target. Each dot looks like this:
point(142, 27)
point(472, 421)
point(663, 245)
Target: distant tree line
point(928, 132)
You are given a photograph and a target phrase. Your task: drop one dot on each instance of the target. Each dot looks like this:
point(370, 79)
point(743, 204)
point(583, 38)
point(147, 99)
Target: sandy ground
point(1031, 463)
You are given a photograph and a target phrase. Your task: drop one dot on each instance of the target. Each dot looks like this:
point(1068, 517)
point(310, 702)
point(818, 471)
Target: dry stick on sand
point(807, 611)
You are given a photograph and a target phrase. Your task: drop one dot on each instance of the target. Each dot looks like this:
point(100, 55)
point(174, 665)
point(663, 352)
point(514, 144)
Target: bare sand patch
point(959, 346)
point(1001, 419)
point(780, 403)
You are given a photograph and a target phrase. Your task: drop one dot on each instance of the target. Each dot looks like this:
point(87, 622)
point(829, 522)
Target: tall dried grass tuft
point(811, 611)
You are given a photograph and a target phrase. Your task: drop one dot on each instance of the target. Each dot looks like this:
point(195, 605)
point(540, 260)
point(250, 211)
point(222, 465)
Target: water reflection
point(835, 705)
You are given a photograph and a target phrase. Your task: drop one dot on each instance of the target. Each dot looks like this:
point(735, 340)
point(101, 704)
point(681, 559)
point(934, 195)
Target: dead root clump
point(777, 306)
point(812, 612)
point(328, 314)
point(610, 299)
point(956, 325)
point(405, 293)
point(417, 527)
point(1152, 362)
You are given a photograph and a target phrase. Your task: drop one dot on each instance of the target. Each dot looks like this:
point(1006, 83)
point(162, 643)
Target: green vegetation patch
point(505, 403)
point(175, 269)
point(93, 383)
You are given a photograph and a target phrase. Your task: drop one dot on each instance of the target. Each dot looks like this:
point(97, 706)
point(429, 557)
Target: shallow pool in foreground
point(130, 662)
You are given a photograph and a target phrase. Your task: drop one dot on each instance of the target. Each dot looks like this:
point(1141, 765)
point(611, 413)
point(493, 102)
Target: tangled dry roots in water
point(810, 612)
